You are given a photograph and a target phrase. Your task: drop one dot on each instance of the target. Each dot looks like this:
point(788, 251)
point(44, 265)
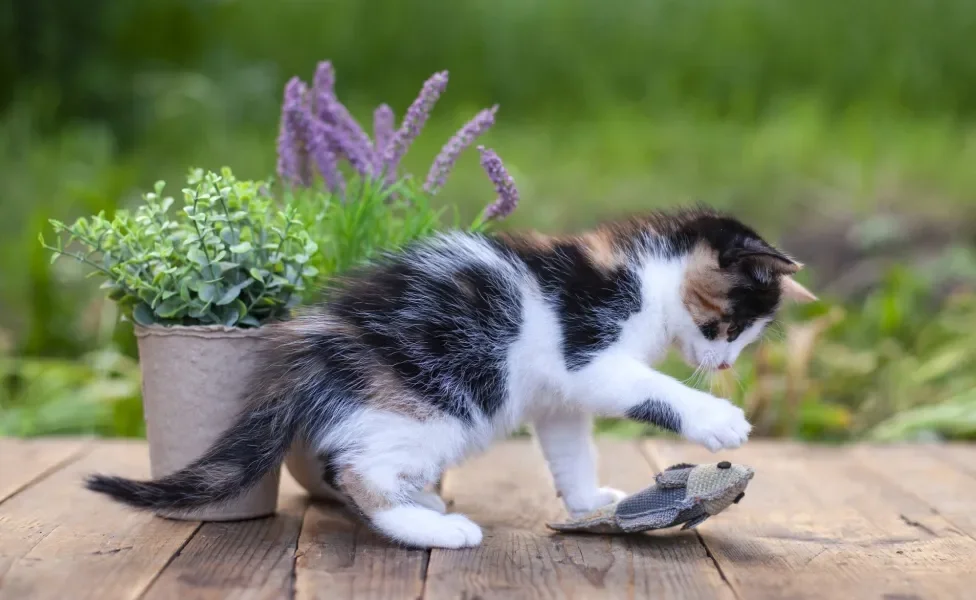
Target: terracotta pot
point(193, 387)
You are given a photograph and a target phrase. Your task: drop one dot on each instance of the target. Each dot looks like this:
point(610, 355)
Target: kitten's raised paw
point(717, 425)
point(423, 528)
point(603, 496)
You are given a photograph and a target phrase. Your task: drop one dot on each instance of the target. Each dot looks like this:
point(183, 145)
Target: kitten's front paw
point(716, 424)
point(580, 505)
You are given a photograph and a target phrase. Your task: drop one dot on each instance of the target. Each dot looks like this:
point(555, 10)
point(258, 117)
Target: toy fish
point(683, 493)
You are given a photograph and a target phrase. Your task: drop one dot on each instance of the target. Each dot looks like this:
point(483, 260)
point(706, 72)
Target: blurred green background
point(843, 130)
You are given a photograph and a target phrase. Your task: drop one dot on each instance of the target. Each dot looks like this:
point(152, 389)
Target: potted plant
point(379, 208)
point(198, 281)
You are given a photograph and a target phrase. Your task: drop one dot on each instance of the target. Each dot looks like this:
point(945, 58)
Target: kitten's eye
point(733, 331)
point(710, 330)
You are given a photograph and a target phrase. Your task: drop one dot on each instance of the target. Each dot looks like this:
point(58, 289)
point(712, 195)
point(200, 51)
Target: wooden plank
point(509, 492)
point(816, 524)
point(58, 540)
point(340, 557)
point(669, 564)
point(249, 559)
point(929, 474)
point(23, 462)
point(962, 455)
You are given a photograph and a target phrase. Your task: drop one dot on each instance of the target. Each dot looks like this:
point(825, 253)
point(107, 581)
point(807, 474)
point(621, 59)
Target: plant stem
point(196, 226)
point(81, 259)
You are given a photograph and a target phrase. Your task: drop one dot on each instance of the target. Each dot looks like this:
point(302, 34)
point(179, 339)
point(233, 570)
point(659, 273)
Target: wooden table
point(893, 523)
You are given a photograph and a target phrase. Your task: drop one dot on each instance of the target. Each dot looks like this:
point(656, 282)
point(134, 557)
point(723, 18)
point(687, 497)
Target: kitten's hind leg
point(423, 528)
point(387, 461)
point(395, 512)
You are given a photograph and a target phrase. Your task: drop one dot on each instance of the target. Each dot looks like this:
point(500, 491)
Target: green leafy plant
point(370, 219)
point(230, 256)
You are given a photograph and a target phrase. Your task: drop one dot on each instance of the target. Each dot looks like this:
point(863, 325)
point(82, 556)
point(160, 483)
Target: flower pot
point(194, 381)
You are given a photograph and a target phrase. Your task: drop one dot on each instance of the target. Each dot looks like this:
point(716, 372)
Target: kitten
point(428, 355)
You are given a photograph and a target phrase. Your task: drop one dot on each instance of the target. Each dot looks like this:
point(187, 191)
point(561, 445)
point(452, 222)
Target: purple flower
point(323, 85)
point(444, 162)
point(293, 163)
point(413, 122)
point(350, 139)
point(383, 125)
point(320, 148)
point(508, 196)
point(347, 142)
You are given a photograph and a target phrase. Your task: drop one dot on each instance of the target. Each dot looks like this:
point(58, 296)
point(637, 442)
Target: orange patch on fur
point(601, 248)
point(705, 288)
point(364, 497)
point(385, 391)
point(320, 323)
point(529, 241)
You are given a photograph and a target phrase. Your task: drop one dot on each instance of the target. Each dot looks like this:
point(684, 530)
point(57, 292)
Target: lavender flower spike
point(293, 164)
point(350, 139)
point(324, 86)
point(413, 122)
point(320, 148)
point(444, 162)
point(508, 196)
point(383, 125)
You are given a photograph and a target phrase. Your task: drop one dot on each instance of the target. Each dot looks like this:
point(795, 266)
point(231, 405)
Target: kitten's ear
point(761, 262)
point(753, 249)
point(773, 262)
point(794, 291)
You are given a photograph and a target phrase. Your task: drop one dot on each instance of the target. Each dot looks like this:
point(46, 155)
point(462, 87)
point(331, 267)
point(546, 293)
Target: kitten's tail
point(253, 446)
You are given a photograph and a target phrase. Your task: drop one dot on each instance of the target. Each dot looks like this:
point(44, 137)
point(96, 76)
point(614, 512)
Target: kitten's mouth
point(701, 361)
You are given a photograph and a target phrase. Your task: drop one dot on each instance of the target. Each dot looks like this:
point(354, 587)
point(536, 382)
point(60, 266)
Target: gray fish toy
point(682, 494)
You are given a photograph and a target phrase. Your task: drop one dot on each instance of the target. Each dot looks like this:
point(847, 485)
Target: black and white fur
point(429, 355)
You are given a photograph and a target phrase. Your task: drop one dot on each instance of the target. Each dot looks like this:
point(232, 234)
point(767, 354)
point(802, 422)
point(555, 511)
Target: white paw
point(716, 424)
point(582, 504)
point(423, 528)
point(430, 500)
point(472, 533)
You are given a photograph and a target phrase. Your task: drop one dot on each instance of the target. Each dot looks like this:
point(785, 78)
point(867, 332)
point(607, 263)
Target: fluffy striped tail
point(253, 446)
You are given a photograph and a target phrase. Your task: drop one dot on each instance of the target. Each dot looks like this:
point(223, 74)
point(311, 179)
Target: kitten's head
point(733, 285)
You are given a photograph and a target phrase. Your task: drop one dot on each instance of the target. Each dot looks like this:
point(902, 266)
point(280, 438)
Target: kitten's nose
point(723, 366)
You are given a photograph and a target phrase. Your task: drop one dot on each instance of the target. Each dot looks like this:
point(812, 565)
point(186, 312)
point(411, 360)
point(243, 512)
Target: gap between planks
point(509, 492)
point(252, 559)
point(64, 541)
point(900, 517)
point(24, 463)
point(645, 449)
point(841, 522)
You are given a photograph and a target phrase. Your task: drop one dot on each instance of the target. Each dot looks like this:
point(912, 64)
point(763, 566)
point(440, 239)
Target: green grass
point(536, 57)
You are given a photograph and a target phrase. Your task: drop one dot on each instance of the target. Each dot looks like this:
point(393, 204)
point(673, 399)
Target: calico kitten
point(428, 355)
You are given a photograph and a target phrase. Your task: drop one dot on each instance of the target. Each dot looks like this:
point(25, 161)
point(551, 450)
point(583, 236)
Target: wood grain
point(893, 523)
point(23, 462)
point(252, 560)
point(340, 557)
point(509, 492)
point(963, 456)
point(816, 524)
point(58, 540)
point(940, 483)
